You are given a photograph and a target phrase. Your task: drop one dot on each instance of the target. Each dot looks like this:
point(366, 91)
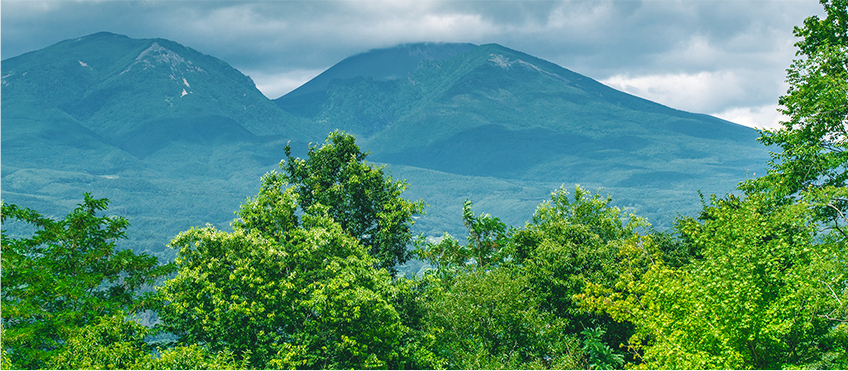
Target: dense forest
point(307, 278)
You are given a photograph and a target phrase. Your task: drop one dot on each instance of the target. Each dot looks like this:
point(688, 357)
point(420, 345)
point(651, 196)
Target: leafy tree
point(111, 343)
point(488, 245)
point(117, 343)
point(814, 141)
point(491, 319)
point(282, 290)
point(359, 196)
point(499, 280)
point(758, 298)
point(66, 275)
point(568, 244)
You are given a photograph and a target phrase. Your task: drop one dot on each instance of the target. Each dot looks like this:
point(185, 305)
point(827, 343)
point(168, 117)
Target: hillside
point(510, 115)
point(176, 138)
point(491, 114)
point(173, 137)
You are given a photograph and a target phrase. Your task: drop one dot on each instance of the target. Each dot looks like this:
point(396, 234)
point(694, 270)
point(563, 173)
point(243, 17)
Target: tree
point(487, 247)
point(569, 243)
point(366, 202)
point(759, 296)
point(491, 319)
point(814, 141)
point(117, 343)
point(282, 290)
point(507, 287)
point(66, 275)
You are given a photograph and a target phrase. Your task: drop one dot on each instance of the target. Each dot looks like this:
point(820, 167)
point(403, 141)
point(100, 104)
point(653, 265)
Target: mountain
point(378, 64)
point(140, 96)
point(173, 136)
point(492, 111)
point(176, 138)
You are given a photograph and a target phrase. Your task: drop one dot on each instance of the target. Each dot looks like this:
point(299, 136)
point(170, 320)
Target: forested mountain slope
point(177, 138)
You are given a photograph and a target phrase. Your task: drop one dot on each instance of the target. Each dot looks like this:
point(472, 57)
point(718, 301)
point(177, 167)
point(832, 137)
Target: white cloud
point(275, 85)
point(699, 92)
point(764, 117)
point(721, 94)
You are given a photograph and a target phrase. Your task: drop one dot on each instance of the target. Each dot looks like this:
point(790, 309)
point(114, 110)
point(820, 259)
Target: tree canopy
point(360, 197)
point(65, 276)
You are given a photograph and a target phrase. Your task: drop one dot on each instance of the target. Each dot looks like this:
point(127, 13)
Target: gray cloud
point(698, 55)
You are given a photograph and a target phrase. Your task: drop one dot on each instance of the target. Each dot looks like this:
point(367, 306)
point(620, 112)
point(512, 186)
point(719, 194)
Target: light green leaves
point(753, 299)
point(283, 290)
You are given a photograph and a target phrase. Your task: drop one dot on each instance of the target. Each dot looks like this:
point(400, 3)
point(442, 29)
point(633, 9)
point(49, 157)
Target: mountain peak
point(156, 55)
point(382, 64)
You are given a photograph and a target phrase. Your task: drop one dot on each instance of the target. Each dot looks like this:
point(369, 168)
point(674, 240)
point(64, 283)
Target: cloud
point(725, 94)
point(702, 56)
point(763, 117)
point(275, 85)
point(699, 92)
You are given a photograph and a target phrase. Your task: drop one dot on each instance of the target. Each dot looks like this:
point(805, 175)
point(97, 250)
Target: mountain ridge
point(177, 138)
point(557, 122)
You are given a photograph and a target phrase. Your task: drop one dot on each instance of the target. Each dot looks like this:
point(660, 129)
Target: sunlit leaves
point(754, 299)
point(282, 290)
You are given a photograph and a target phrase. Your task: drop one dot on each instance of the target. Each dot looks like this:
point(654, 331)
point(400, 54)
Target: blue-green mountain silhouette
point(176, 138)
point(493, 111)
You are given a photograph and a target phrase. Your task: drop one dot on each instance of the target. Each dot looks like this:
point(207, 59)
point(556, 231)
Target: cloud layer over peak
point(722, 57)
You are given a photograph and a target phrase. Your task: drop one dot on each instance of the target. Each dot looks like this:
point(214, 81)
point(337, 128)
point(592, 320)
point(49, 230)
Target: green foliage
point(412, 299)
point(358, 196)
point(66, 275)
point(111, 343)
point(814, 141)
point(117, 343)
point(487, 245)
point(282, 290)
point(570, 243)
point(758, 281)
point(758, 298)
point(491, 319)
point(600, 355)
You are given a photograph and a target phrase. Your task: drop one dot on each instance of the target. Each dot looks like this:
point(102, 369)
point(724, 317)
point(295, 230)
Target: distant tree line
point(308, 279)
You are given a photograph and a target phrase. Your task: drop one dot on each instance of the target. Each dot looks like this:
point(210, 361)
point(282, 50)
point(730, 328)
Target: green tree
point(117, 343)
point(570, 242)
point(505, 300)
point(66, 275)
point(758, 298)
point(366, 202)
point(282, 290)
point(814, 141)
point(488, 246)
point(491, 319)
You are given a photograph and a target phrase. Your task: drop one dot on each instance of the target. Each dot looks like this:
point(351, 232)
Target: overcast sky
point(721, 57)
